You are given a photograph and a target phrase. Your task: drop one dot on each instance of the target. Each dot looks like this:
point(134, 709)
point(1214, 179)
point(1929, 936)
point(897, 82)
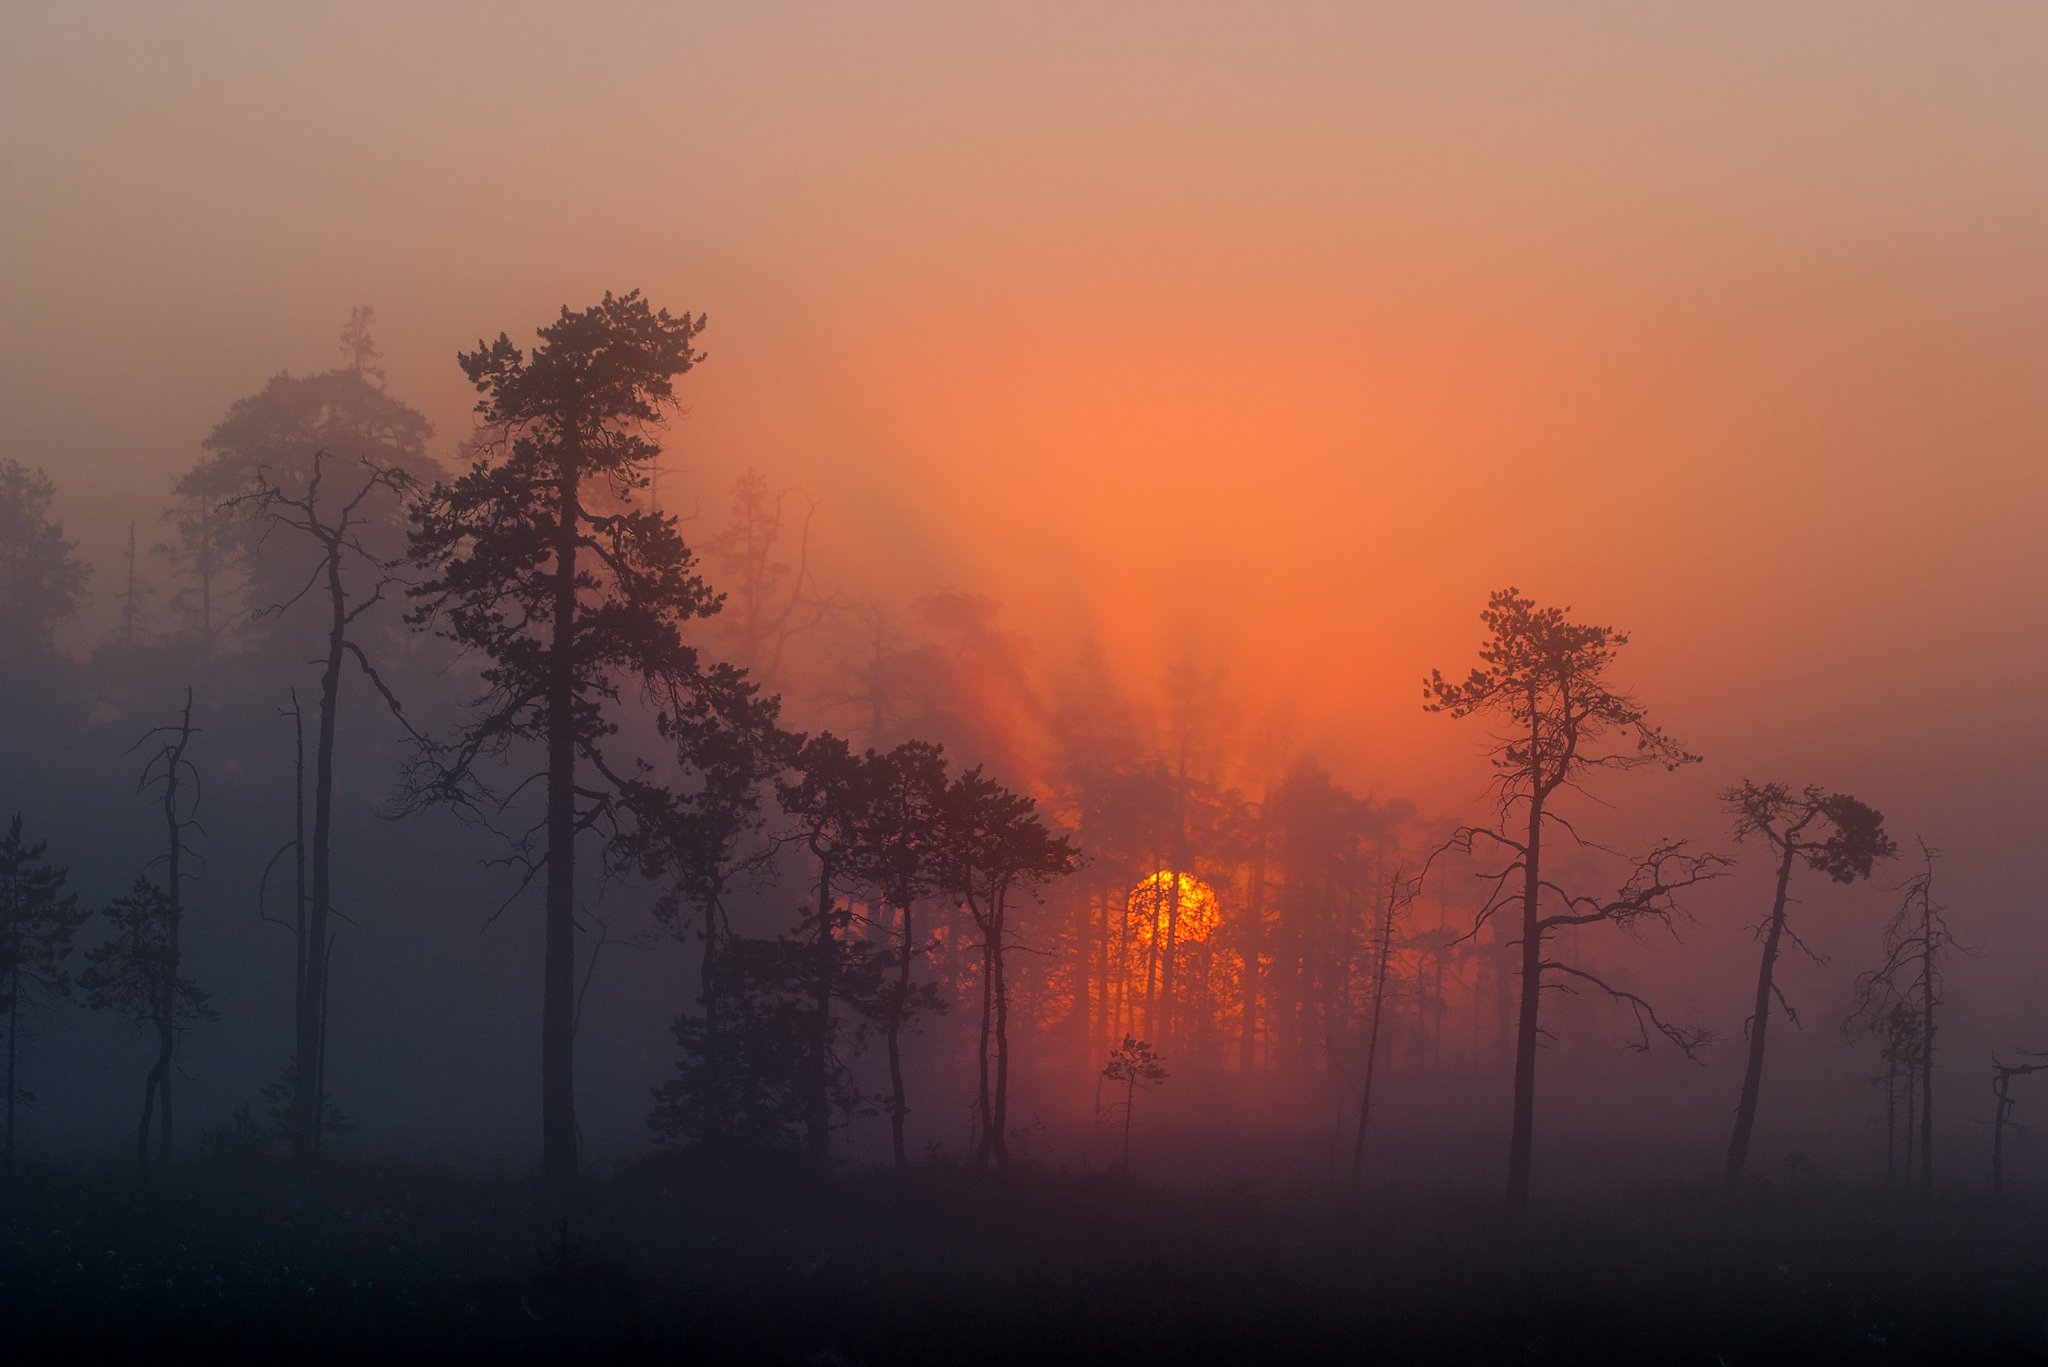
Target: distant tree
point(201, 558)
point(1916, 947)
point(2002, 1075)
point(770, 599)
point(135, 972)
point(142, 968)
point(898, 858)
point(1400, 894)
point(699, 830)
point(1832, 834)
point(1135, 1064)
point(38, 920)
point(828, 796)
point(1546, 679)
point(348, 579)
point(992, 847)
point(539, 558)
point(743, 1087)
point(42, 581)
point(272, 441)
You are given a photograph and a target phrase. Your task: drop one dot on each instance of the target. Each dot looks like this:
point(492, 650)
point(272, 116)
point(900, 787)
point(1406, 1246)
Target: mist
point(1157, 411)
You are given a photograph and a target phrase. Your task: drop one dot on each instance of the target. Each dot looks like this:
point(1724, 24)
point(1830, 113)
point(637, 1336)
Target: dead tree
point(1831, 833)
point(2002, 1075)
point(1916, 945)
point(350, 580)
point(140, 970)
point(1401, 893)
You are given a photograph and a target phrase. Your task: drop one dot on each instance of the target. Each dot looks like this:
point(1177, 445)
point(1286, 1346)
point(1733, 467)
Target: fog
point(1244, 352)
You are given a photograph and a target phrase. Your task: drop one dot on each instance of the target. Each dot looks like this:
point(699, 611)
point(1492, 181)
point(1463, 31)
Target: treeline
point(868, 830)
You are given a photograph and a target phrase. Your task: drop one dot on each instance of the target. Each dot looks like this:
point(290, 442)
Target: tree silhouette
point(1916, 946)
point(42, 581)
point(539, 558)
point(38, 920)
point(135, 972)
point(992, 845)
point(350, 580)
point(1135, 1064)
point(898, 858)
point(698, 829)
point(1546, 679)
point(827, 797)
point(2002, 1075)
point(1831, 833)
point(1400, 894)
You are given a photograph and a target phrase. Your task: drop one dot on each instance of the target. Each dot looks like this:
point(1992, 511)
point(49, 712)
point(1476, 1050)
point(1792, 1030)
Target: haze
point(1270, 339)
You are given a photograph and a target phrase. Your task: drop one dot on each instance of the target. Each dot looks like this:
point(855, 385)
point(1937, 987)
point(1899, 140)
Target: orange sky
point(1278, 334)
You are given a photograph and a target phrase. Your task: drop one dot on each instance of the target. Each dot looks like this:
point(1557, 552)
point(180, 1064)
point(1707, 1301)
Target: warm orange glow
point(1171, 909)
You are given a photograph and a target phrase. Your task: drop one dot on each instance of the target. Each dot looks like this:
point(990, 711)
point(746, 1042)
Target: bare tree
point(1400, 895)
point(770, 600)
point(1916, 946)
point(1831, 833)
point(2002, 1075)
point(350, 581)
point(1546, 679)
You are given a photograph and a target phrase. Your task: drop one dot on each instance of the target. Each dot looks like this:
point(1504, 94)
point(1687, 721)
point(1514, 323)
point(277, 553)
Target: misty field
point(659, 1263)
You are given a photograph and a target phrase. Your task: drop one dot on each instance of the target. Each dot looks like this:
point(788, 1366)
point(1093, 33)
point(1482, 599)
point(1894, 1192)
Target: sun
point(1170, 907)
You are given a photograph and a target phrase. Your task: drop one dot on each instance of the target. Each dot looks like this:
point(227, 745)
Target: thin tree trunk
point(13, 1030)
point(1372, 1048)
point(312, 1001)
point(1927, 1032)
point(1130, 1101)
point(148, 1107)
point(1248, 976)
point(819, 1118)
point(1521, 1148)
point(2001, 1090)
point(1753, 1075)
point(983, 1104)
point(1891, 1115)
point(558, 993)
point(999, 1119)
point(899, 1101)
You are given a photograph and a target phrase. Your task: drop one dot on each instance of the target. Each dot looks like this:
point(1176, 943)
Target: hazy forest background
point(1169, 558)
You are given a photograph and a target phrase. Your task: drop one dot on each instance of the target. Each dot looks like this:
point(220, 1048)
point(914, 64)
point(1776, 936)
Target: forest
point(841, 685)
point(908, 915)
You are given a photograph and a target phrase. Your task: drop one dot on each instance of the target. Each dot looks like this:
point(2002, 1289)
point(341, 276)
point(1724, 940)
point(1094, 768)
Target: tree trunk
point(899, 1101)
point(306, 1116)
point(1248, 975)
point(1000, 1121)
point(1521, 1147)
point(558, 994)
point(1753, 1075)
point(2001, 1090)
point(1130, 1101)
point(1927, 1033)
point(819, 1118)
point(13, 1029)
point(148, 1108)
point(1372, 1048)
point(984, 1090)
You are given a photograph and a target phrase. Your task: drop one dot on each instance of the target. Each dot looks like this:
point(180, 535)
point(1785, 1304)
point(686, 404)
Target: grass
point(665, 1262)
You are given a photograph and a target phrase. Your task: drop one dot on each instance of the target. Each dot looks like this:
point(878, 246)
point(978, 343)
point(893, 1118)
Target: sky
point(1271, 336)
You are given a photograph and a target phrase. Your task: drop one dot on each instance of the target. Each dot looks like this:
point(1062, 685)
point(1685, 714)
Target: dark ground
point(229, 1260)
